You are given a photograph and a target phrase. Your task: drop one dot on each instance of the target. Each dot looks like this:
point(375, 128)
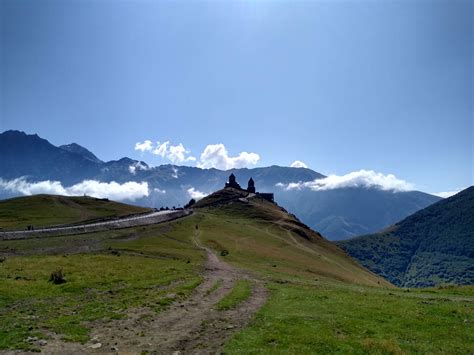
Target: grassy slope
point(262, 237)
point(47, 210)
point(141, 271)
point(328, 318)
point(310, 310)
point(433, 246)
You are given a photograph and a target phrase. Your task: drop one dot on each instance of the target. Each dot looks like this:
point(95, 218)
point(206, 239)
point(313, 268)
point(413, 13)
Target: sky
point(338, 86)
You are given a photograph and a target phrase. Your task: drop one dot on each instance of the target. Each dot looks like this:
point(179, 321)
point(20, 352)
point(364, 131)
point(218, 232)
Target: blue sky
point(341, 86)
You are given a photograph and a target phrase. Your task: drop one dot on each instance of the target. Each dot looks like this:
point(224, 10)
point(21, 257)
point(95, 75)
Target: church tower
point(251, 186)
point(233, 182)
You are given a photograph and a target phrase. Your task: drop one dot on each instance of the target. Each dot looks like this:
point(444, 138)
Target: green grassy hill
point(431, 247)
point(319, 300)
point(263, 237)
point(49, 210)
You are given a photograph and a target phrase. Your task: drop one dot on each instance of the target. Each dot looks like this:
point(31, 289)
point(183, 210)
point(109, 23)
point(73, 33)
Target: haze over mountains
point(32, 165)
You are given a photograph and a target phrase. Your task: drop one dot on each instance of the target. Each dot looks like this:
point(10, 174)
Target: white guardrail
point(140, 220)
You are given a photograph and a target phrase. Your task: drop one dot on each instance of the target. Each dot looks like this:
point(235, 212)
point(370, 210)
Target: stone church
point(250, 188)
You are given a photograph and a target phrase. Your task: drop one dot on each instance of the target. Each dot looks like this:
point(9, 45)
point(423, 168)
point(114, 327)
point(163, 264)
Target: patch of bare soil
point(188, 326)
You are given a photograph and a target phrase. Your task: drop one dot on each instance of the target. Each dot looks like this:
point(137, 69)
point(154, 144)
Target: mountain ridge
point(434, 245)
point(331, 212)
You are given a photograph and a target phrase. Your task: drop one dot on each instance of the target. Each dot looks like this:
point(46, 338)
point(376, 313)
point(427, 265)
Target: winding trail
point(192, 325)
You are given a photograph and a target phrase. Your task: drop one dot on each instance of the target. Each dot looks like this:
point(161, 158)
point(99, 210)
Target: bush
point(224, 252)
point(57, 277)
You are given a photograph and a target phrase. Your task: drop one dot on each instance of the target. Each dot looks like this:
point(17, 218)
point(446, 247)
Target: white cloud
point(157, 190)
point(174, 153)
point(115, 191)
point(145, 146)
point(213, 156)
point(298, 164)
point(446, 194)
point(20, 185)
point(161, 149)
point(362, 178)
point(196, 194)
point(217, 156)
point(137, 166)
point(178, 154)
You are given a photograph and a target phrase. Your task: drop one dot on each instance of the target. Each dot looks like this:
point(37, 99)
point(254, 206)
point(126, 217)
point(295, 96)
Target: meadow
point(49, 210)
point(153, 270)
point(319, 300)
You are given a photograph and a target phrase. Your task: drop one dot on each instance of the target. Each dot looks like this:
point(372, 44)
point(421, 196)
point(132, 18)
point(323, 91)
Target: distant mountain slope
point(433, 246)
point(260, 235)
point(348, 212)
point(77, 149)
point(49, 210)
point(338, 214)
point(32, 156)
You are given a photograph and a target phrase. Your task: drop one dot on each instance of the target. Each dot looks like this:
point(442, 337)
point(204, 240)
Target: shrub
point(57, 277)
point(224, 252)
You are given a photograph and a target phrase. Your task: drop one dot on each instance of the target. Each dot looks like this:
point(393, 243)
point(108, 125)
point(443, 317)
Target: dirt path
point(192, 325)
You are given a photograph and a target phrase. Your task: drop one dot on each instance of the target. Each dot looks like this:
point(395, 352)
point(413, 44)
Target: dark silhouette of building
point(233, 182)
point(267, 196)
point(251, 186)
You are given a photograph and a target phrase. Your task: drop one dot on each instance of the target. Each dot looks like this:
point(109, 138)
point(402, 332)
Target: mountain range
point(432, 246)
point(338, 213)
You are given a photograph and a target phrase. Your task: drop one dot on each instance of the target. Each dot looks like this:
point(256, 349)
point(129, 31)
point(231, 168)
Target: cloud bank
point(298, 164)
point(362, 178)
point(217, 156)
point(127, 191)
point(196, 194)
point(213, 156)
point(174, 153)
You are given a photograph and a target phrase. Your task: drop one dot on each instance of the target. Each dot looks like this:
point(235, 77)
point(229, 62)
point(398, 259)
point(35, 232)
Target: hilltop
point(50, 210)
point(263, 236)
point(433, 246)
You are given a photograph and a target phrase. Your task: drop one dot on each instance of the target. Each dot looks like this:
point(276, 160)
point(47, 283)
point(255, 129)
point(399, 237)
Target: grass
point(265, 247)
point(321, 303)
point(240, 292)
point(48, 210)
point(338, 318)
point(320, 300)
point(152, 270)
